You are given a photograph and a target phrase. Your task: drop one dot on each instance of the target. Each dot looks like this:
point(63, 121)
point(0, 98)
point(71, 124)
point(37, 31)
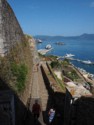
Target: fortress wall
point(10, 30)
point(11, 33)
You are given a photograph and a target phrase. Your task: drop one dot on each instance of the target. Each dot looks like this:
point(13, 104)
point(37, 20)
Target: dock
point(82, 61)
point(74, 59)
point(44, 51)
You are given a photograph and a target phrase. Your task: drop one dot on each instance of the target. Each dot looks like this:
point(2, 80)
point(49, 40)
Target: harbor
point(70, 57)
point(88, 62)
point(89, 77)
point(82, 59)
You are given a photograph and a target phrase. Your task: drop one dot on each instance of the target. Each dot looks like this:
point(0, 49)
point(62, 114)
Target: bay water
point(82, 49)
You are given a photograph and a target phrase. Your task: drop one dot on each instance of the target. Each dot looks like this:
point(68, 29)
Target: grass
point(20, 72)
point(65, 63)
point(57, 80)
point(55, 64)
point(72, 75)
point(16, 66)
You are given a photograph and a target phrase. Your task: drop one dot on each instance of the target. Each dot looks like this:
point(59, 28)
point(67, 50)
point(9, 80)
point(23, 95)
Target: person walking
point(36, 111)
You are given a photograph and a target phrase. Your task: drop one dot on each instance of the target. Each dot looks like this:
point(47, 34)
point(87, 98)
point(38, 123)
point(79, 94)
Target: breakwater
point(44, 51)
point(88, 62)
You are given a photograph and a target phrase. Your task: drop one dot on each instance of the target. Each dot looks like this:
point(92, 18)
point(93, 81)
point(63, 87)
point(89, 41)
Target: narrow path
point(38, 88)
point(35, 86)
point(43, 90)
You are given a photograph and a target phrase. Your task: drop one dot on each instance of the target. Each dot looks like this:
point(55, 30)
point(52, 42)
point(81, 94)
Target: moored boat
point(48, 46)
point(69, 55)
point(87, 62)
point(38, 41)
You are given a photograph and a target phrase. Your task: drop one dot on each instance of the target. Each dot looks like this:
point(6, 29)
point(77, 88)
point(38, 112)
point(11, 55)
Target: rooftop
point(77, 90)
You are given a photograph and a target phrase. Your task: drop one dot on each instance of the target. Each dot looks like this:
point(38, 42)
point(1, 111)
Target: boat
point(60, 43)
point(38, 41)
point(69, 55)
point(48, 46)
point(87, 62)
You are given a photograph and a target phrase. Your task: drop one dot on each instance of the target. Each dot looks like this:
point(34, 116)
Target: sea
point(82, 49)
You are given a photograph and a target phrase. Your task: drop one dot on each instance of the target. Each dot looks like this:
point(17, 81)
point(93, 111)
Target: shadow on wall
point(55, 99)
point(12, 109)
point(68, 111)
point(14, 112)
point(82, 112)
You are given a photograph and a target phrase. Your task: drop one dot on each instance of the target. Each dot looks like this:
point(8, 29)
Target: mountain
point(42, 37)
point(87, 36)
point(83, 36)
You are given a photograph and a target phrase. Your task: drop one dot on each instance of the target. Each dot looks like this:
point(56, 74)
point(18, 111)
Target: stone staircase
point(43, 91)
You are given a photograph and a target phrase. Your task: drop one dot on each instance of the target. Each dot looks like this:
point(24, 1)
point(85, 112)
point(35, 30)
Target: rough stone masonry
point(10, 30)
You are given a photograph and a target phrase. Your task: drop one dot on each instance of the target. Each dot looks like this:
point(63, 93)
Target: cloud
point(92, 4)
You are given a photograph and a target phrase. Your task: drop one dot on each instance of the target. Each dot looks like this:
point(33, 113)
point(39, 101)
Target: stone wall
point(10, 30)
point(56, 99)
point(82, 112)
point(11, 34)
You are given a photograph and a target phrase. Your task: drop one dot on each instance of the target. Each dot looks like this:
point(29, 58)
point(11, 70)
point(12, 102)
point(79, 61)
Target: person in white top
point(51, 114)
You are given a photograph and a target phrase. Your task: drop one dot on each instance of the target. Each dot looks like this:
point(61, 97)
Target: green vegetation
point(55, 64)
point(65, 62)
point(60, 82)
point(28, 36)
point(20, 72)
point(72, 75)
point(16, 66)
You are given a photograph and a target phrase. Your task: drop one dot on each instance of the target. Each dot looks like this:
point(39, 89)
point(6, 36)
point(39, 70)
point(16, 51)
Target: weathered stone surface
point(11, 34)
point(10, 30)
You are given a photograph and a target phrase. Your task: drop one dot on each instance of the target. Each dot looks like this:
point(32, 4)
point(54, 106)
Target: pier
point(44, 51)
point(88, 62)
point(82, 61)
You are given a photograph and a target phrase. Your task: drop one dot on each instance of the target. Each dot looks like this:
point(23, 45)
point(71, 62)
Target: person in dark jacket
point(36, 110)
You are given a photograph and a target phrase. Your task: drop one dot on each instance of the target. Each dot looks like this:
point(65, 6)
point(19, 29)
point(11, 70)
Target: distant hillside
point(87, 36)
point(83, 36)
point(42, 37)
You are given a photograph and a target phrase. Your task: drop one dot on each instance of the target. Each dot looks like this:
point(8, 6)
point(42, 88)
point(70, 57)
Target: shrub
point(55, 64)
point(65, 62)
point(72, 75)
point(20, 72)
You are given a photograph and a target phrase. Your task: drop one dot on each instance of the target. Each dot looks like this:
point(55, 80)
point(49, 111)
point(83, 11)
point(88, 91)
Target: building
point(78, 101)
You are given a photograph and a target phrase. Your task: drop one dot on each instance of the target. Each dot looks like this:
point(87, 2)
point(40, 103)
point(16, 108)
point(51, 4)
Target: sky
point(55, 17)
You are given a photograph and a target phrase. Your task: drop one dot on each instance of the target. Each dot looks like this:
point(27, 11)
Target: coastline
point(88, 77)
point(82, 49)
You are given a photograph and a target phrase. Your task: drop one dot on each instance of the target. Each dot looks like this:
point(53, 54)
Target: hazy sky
point(55, 17)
